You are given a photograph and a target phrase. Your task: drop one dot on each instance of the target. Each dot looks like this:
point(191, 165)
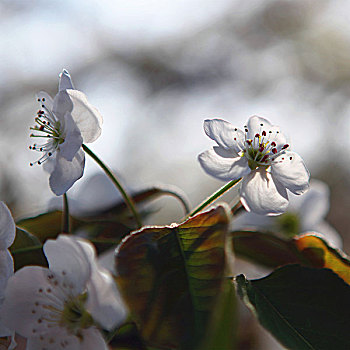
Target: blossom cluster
point(62, 306)
point(74, 301)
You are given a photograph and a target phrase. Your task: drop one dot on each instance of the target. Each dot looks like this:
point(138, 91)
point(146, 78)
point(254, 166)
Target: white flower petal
point(58, 340)
point(104, 301)
point(252, 220)
point(254, 126)
point(312, 206)
point(6, 270)
point(65, 173)
point(45, 100)
point(25, 294)
point(223, 168)
point(289, 169)
point(62, 104)
point(106, 260)
point(6, 332)
point(224, 134)
point(87, 117)
point(92, 340)
point(88, 248)
point(329, 234)
point(50, 163)
point(262, 194)
point(274, 134)
point(65, 81)
point(7, 227)
point(67, 259)
point(73, 139)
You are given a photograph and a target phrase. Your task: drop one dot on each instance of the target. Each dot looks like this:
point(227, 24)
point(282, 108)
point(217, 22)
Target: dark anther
point(273, 144)
point(274, 150)
point(291, 158)
point(263, 133)
point(43, 99)
point(246, 130)
point(257, 135)
point(49, 154)
point(264, 158)
point(285, 146)
point(261, 124)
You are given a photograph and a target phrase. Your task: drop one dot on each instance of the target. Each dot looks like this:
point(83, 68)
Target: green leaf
point(222, 330)
point(304, 308)
point(23, 240)
point(319, 254)
point(264, 248)
point(27, 250)
point(170, 278)
point(47, 225)
point(111, 224)
point(306, 249)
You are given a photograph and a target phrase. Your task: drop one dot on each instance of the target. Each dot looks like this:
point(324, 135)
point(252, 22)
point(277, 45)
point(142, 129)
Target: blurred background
point(157, 69)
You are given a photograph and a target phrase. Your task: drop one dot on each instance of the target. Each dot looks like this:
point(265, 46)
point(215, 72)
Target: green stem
point(65, 214)
point(129, 202)
point(213, 197)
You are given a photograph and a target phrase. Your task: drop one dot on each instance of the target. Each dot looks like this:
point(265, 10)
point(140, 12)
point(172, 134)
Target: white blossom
point(7, 236)
point(260, 155)
point(305, 214)
point(63, 306)
point(65, 122)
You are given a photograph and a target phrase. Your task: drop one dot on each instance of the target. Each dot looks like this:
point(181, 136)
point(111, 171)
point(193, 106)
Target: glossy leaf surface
point(304, 308)
point(307, 249)
point(320, 254)
point(27, 250)
point(171, 276)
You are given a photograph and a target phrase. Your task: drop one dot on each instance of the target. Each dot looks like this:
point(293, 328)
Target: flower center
point(289, 224)
point(74, 315)
point(262, 150)
point(49, 128)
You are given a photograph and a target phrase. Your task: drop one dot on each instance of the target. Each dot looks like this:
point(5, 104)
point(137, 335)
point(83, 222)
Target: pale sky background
point(157, 69)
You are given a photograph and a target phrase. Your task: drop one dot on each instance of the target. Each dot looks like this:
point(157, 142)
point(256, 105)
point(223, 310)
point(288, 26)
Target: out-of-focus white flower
point(260, 156)
point(65, 122)
point(96, 193)
point(63, 306)
point(7, 236)
point(305, 214)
